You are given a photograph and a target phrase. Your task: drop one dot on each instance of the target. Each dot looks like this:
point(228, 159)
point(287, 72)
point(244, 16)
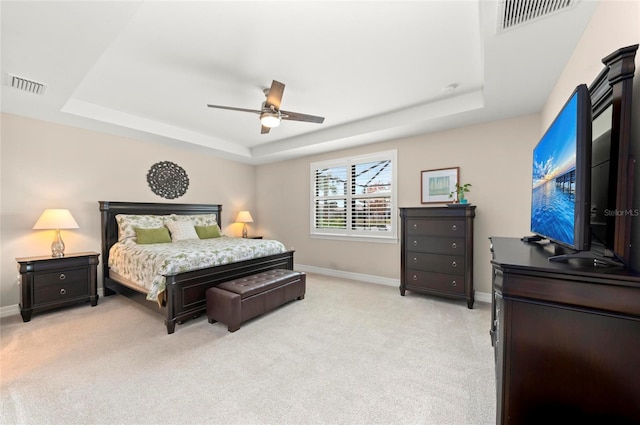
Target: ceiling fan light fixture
point(270, 119)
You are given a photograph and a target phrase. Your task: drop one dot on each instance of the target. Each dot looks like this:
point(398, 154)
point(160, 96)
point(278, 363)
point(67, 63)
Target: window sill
point(356, 238)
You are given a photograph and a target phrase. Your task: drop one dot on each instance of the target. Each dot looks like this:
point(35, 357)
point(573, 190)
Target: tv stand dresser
point(566, 338)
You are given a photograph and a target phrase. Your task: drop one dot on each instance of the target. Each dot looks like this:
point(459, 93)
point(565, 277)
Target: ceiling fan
point(270, 113)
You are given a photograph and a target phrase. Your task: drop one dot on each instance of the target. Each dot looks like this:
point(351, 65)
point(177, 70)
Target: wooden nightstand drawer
point(60, 286)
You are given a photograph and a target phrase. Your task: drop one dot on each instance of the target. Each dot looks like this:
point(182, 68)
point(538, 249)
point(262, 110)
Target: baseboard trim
point(349, 275)
point(482, 297)
point(9, 310)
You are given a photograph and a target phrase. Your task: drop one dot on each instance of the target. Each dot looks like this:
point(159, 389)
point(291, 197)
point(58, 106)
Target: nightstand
point(255, 237)
point(49, 282)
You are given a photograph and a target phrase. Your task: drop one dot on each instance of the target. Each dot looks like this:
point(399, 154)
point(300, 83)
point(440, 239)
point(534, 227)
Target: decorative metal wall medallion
point(168, 180)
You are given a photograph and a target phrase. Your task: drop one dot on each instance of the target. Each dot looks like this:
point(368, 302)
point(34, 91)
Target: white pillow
point(181, 230)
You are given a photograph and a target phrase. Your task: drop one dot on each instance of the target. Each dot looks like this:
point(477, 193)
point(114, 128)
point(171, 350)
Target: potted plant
point(459, 192)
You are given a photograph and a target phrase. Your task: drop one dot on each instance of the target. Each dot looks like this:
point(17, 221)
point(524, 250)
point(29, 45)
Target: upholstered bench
point(237, 301)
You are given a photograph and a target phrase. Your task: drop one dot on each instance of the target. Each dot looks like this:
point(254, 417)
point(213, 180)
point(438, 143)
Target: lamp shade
point(55, 219)
point(244, 217)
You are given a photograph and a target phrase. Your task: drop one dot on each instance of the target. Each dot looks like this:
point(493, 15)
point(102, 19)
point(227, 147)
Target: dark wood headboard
point(109, 226)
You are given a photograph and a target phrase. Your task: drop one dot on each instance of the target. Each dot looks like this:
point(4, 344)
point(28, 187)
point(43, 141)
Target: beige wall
point(47, 165)
point(615, 24)
point(495, 158)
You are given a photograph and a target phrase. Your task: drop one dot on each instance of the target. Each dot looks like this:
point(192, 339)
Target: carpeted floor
point(349, 353)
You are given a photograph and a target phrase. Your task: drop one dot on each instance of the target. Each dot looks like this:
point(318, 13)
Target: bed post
point(106, 243)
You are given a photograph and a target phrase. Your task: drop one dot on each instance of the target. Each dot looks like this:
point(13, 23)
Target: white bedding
point(147, 265)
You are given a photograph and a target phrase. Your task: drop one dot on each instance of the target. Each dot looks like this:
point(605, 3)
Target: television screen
point(561, 183)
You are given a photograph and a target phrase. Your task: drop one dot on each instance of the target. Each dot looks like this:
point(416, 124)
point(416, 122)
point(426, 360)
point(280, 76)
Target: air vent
point(513, 13)
point(26, 85)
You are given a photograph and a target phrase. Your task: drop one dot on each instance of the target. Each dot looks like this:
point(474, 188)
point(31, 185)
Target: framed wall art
point(436, 185)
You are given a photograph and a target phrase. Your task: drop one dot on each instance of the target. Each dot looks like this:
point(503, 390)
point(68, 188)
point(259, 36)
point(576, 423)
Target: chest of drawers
point(49, 282)
point(437, 251)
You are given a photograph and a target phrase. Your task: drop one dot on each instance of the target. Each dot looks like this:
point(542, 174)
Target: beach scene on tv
point(554, 175)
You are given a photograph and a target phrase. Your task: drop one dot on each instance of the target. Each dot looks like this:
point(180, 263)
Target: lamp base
point(57, 246)
point(244, 231)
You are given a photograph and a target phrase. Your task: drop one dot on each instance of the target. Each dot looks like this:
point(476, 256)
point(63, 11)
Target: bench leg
point(224, 306)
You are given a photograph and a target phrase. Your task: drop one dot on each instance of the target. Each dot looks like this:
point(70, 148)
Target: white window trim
point(348, 234)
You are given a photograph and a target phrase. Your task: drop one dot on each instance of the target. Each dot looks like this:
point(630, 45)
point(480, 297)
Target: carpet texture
point(349, 353)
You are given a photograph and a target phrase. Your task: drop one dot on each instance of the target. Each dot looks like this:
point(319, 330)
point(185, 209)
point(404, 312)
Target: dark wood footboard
point(185, 292)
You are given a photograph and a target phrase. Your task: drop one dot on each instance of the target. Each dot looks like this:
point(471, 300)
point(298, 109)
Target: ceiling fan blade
point(274, 98)
point(295, 116)
point(264, 129)
point(235, 109)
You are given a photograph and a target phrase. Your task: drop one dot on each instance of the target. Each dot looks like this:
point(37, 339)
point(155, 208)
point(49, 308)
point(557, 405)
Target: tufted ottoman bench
point(242, 299)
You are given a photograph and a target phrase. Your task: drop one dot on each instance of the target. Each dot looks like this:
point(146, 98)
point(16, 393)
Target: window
point(355, 197)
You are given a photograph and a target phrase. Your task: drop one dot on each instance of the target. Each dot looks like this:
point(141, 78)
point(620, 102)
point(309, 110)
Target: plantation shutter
point(371, 196)
point(355, 197)
point(331, 198)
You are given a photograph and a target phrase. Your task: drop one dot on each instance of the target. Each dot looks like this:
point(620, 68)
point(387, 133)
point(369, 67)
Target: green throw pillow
point(208, 232)
point(148, 236)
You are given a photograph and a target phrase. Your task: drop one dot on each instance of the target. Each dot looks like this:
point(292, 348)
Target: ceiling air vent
point(513, 13)
point(27, 85)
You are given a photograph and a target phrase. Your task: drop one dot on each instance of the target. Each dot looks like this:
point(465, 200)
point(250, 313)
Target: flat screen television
point(561, 182)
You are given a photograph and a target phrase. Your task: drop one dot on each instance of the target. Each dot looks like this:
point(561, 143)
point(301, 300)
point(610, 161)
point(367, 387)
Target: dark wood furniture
point(612, 161)
point(436, 253)
point(185, 293)
point(49, 282)
point(566, 338)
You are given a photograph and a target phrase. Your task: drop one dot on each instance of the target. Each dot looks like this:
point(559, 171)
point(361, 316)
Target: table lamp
point(244, 217)
point(56, 219)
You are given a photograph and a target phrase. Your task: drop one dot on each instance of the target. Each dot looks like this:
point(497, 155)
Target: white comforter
point(147, 265)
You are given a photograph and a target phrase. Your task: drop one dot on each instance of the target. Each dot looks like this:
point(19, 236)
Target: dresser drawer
point(452, 264)
point(60, 286)
point(435, 245)
point(422, 227)
point(417, 279)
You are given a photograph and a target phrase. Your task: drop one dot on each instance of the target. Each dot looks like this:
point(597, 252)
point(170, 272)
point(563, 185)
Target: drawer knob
point(454, 264)
point(454, 227)
point(415, 243)
point(63, 291)
point(453, 283)
point(415, 277)
point(415, 260)
point(453, 245)
point(415, 226)
point(62, 276)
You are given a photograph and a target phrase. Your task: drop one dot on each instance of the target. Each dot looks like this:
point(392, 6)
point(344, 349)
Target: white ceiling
point(375, 70)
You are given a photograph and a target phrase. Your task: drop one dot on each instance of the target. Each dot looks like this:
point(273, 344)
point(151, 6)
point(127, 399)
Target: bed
point(184, 292)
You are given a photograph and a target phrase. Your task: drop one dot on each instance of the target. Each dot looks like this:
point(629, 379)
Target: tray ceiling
point(375, 70)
